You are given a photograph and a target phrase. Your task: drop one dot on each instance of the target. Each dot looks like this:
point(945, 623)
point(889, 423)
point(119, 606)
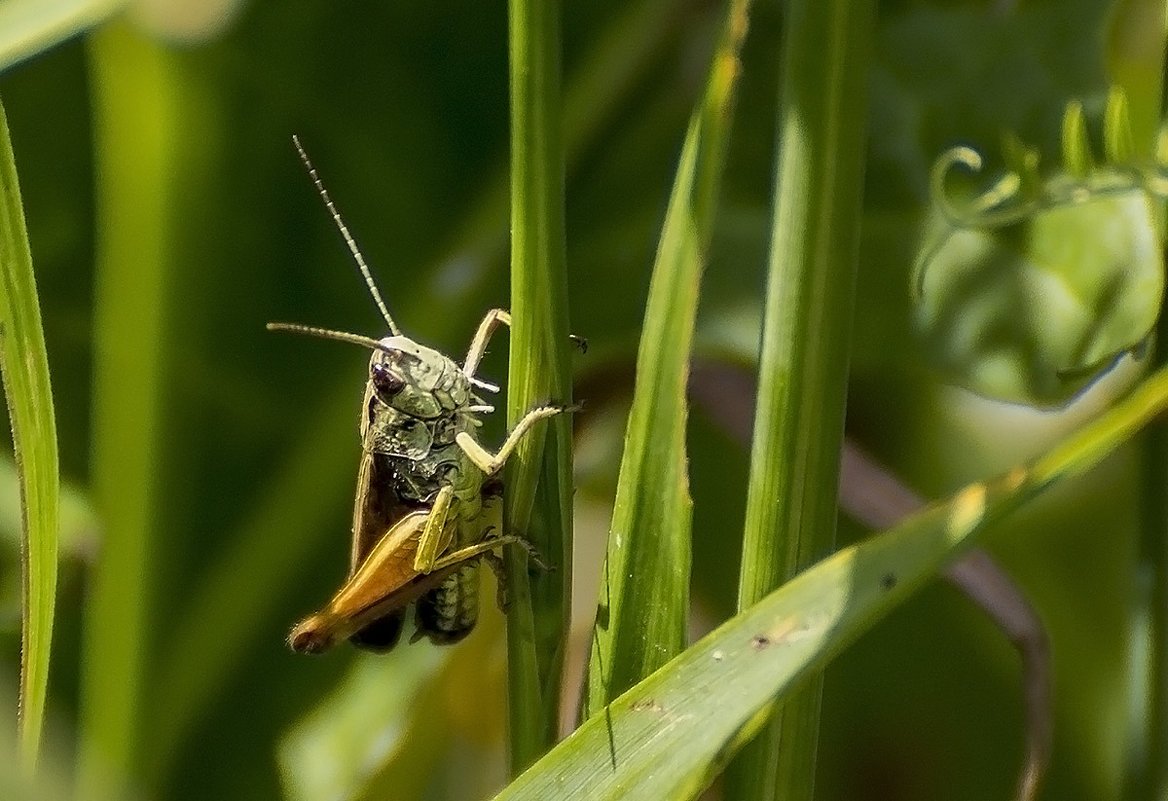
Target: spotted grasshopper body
point(427, 506)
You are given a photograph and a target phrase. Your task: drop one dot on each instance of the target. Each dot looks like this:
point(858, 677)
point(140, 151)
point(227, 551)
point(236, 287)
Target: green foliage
point(1034, 289)
point(169, 220)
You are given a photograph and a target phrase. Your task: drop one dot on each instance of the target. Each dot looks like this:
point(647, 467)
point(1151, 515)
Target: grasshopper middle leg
point(491, 463)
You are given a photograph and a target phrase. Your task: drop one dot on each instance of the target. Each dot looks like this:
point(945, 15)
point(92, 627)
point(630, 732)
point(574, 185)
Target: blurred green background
point(166, 160)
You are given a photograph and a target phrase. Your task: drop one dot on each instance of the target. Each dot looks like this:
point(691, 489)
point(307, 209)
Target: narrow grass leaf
point(30, 27)
point(538, 502)
point(25, 367)
point(803, 366)
point(667, 736)
point(644, 597)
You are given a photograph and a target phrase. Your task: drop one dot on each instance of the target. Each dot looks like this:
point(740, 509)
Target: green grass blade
point(1135, 51)
point(25, 367)
point(136, 102)
point(803, 367)
point(538, 372)
point(667, 736)
point(641, 622)
point(29, 27)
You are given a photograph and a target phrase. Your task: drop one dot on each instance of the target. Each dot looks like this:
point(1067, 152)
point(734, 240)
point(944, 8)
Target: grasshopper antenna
point(361, 265)
point(326, 333)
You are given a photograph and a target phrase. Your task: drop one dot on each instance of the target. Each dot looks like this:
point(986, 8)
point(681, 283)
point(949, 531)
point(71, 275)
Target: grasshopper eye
point(386, 382)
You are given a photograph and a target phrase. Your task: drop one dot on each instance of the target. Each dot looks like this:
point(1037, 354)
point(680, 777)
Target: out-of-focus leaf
point(28, 27)
point(359, 727)
point(25, 368)
point(1077, 158)
point(78, 521)
point(77, 539)
point(386, 729)
point(667, 736)
point(1036, 311)
point(148, 142)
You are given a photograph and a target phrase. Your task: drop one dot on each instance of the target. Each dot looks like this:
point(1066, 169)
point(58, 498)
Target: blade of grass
point(25, 368)
point(667, 736)
point(1136, 57)
point(30, 27)
point(1146, 776)
point(216, 641)
point(644, 595)
point(539, 371)
point(136, 102)
point(803, 367)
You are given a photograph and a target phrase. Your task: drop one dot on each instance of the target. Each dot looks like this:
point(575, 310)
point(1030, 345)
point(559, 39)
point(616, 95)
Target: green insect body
point(417, 402)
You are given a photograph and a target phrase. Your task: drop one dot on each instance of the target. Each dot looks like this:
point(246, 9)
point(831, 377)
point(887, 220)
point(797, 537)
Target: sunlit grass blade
point(644, 597)
point(25, 367)
point(29, 27)
point(539, 371)
point(803, 366)
point(667, 736)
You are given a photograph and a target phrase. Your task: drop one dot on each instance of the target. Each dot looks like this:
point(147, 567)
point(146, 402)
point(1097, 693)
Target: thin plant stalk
point(1136, 62)
point(539, 478)
point(798, 428)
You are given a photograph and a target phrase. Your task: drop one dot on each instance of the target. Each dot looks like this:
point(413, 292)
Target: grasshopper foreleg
point(478, 346)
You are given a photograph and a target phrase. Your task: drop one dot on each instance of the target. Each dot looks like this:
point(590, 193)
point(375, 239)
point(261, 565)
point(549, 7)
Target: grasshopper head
point(405, 374)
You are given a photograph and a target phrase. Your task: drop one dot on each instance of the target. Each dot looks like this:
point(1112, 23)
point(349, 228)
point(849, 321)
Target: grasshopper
point(428, 499)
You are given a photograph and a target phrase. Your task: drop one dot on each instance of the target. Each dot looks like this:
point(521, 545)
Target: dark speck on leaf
point(888, 581)
point(758, 642)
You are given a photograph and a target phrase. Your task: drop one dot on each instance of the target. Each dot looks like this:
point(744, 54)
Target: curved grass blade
point(24, 364)
point(30, 27)
point(667, 737)
point(641, 623)
point(25, 367)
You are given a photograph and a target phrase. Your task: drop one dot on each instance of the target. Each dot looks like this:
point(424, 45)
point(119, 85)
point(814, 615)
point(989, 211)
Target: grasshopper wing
point(377, 508)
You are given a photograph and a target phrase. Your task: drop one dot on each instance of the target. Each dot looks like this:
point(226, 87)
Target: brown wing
point(376, 508)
